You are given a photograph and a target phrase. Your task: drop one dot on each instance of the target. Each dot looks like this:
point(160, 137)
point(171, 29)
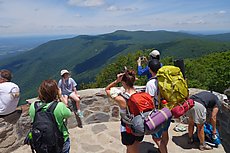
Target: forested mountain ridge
point(86, 55)
point(210, 72)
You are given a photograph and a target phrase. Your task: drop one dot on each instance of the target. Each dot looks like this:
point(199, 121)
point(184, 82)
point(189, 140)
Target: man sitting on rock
point(9, 93)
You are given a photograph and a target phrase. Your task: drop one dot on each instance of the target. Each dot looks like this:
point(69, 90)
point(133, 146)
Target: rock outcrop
point(97, 108)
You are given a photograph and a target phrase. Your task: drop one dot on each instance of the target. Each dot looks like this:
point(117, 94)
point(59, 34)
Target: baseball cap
point(154, 53)
point(64, 71)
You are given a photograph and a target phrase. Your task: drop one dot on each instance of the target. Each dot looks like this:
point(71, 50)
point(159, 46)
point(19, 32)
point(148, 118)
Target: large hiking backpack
point(144, 119)
point(173, 87)
point(46, 137)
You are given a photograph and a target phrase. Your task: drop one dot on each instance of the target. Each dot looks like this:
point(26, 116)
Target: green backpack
point(173, 87)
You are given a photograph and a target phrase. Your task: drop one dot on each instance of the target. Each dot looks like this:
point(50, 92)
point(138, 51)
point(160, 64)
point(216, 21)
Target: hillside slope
point(86, 55)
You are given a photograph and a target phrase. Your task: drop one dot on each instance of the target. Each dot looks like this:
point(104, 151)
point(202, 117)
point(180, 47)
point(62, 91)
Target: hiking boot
point(190, 140)
point(203, 147)
point(80, 114)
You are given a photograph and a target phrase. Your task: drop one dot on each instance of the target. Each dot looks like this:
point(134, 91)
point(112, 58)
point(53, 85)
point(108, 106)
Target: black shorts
point(129, 138)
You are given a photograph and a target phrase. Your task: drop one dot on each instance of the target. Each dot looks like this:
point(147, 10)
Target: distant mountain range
point(14, 45)
point(86, 55)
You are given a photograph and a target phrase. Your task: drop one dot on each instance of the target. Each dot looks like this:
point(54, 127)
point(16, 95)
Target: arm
point(60, 97)
point(142, 71)
point(119, 99)
point(65, 111)
point(114, 83)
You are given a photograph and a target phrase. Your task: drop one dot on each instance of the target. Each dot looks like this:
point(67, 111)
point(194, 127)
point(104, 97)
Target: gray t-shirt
point(67, 86)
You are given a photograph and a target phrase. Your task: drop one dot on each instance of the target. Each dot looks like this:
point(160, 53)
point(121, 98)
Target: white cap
point(64, 71)
point(154, 53)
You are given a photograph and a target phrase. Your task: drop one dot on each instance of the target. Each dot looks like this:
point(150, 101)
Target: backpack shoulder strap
point(38, 107)
point(155, 77)
point(52, 106)
point(125, 96)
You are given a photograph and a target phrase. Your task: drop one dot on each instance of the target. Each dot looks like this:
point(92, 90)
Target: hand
point(139, 61)
point(119, 77)
point(145, 59)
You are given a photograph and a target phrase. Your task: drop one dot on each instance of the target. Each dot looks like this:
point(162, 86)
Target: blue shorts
point(66, 146)
point(164, 128)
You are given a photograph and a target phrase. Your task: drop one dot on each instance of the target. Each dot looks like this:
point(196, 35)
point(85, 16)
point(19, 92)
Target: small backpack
point(173, 87)
point(46, 137)
point(208, 136)
point(143, 118)
point(140, 102)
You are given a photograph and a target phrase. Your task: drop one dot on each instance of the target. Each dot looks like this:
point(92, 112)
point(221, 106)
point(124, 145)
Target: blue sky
point(55, 17)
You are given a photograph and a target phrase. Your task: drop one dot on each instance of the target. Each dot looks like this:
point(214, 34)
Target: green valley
point(85, 56)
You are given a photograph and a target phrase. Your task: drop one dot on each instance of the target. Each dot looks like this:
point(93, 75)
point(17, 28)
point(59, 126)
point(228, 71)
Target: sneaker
point(205, 147)
point(80, 114)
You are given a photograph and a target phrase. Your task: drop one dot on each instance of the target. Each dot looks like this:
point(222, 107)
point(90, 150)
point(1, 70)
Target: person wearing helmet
point(68, 89)
point(155, 54)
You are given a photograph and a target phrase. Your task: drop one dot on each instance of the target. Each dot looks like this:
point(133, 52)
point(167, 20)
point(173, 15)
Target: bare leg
point(165, 139)
point(190, 127)
point(160, 143)
point(134, 148)
point(200, 133)
point(213, 119)
point(75, 97)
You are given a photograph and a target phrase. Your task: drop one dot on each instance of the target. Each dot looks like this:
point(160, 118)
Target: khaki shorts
point(198, 113)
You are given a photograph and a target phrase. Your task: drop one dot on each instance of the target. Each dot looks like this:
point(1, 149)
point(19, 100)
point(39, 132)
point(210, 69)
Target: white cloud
point(86, 3)
point(114, 8)
point(222, 12)
point(74, 16)
point(77, 15)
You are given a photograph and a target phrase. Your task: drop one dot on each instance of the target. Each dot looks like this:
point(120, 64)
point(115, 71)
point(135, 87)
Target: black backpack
point(46, 137)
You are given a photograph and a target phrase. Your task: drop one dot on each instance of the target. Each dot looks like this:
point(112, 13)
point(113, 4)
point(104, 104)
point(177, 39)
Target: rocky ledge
point(97, 108)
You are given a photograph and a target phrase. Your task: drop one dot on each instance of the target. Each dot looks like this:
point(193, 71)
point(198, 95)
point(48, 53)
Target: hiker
point(204, 102)
point(155, 54)
point(68, 88)
point(48, 94)
point(127, 80)
point(161, 138)
point(9, 93)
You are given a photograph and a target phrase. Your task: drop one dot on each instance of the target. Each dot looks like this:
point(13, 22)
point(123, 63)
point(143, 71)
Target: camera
point(142, 58)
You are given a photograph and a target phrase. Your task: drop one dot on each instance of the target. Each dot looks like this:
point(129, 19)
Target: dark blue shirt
point(208, 99)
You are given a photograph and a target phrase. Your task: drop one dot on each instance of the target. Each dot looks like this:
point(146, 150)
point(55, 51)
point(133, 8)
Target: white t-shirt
point(9, 97)
point(152, 89)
